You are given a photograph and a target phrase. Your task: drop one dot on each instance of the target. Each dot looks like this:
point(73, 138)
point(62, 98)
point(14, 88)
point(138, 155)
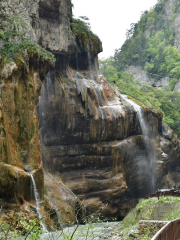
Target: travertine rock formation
point(91, 139)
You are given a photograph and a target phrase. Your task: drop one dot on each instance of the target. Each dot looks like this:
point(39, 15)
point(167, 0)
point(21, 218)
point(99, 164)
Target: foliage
point(16, 51)
point(86, 40)
point(18, 226)
point(15, 227)
point(150, 43)
point(144, 209)
point(162, 99)
point(12, 31)
point(31, 229)
point(80, 26)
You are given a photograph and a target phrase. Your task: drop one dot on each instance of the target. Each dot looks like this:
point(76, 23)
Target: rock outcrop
point(91, 138)
point(142, 55)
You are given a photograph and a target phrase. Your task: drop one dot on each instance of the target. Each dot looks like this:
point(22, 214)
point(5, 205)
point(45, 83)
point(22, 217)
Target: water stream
point(103, 115)
point(92, 231)
point(50, 89)
point(90, 65)
point(60, 221)
point(114, 108)
point(148, 145)
point(38, 206)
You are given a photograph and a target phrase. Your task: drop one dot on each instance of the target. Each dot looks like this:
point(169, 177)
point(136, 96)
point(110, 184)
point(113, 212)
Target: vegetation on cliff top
point(83, 33)
point(80, 26)
point(162, 99)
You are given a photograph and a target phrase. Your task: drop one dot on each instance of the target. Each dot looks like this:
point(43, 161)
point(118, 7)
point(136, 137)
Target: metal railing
point(171, 231)
point(165, 192)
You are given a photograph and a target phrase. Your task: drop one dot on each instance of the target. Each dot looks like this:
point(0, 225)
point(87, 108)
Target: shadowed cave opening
point(79, 61)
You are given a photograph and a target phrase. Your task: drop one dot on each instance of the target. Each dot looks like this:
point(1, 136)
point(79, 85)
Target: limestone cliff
point(91, 139)
point(93, 148)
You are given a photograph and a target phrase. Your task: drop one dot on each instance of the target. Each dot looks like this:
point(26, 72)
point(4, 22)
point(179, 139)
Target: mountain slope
point(153, 45)
point(151, 54)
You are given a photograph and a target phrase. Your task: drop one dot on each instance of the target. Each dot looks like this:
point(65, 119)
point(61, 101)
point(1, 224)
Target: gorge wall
point(152, 45)
point(90, 139)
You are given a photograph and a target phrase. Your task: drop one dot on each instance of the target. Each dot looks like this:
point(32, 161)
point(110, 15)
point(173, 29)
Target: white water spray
point(37, 198)
point(60, 221)
point(90, 65)
point(149, 147)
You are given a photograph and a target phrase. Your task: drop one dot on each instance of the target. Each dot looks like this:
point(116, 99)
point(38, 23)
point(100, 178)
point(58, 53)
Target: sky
point(110, 19)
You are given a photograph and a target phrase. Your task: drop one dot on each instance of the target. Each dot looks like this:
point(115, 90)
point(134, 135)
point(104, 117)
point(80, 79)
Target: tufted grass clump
point(84, 35)
point(79, 26)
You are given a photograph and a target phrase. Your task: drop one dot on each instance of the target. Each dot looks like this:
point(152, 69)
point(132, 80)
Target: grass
point(16, 51)
point(144, 209)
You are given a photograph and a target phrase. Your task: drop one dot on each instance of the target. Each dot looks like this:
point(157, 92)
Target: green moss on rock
point(85, 38)
point(16, 51)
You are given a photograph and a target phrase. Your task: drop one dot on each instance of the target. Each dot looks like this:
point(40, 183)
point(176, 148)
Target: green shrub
point(16, 51)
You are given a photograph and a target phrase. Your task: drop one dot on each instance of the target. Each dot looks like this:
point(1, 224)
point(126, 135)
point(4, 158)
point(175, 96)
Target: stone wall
point(147, 228)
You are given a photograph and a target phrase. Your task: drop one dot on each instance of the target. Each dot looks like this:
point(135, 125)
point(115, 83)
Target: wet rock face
point(19, 140)
point(91, 138)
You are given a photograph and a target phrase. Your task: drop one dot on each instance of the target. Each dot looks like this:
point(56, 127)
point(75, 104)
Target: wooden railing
point(171, 231)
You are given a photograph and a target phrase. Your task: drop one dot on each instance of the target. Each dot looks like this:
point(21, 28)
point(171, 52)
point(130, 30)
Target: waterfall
point(37, 198)
point(103, 115)
point(60, 221)
point(50, 90)
point(148, 147)
point(90, 65)
point(68, 190)
point(113, 106)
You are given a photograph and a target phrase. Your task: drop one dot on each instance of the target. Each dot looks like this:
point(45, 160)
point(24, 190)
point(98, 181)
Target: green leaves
point(14, 51)
point(80, 26)
point(162, 99)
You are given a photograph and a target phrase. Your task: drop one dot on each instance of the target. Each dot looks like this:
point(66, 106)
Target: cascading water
point(148, 146)
point(82, 86)
point(50, 89)
point(47, 91)
point(60, 221)
point(68, 190)
point(114, 109)
point(37, 198)
point(90, 65)
point(103, 115)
